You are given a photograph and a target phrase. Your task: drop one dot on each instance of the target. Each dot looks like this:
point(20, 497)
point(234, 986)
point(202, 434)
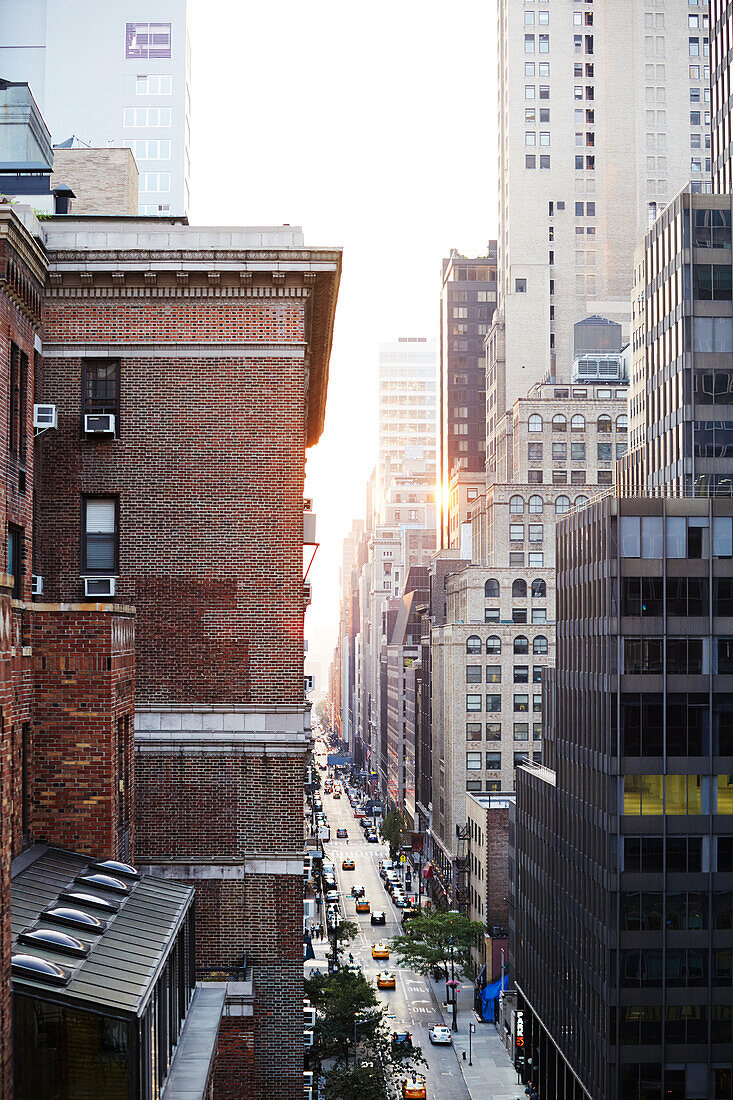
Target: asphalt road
point(411, 1005)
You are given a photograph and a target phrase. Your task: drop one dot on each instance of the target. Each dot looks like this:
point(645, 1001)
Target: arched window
point(622, 423)
point(516, 506)
point(519, 589)
point(534, 424)
point(539, 589)
point(577, 424)
point(493, 644)
point(491, 590)
point(580, 502)
point(562, 505)
point(536, 504)
point(521, 644)
point(473, 644)
point(559, 423)
point(539, 645)
point(604, 423)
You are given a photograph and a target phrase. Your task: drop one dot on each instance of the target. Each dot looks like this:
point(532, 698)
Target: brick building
point(66, 669)
point(203, 355)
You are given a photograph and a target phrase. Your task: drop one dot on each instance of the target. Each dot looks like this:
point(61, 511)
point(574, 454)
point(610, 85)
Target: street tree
point(425, 942)
point(394, 831)
point(378, 1068)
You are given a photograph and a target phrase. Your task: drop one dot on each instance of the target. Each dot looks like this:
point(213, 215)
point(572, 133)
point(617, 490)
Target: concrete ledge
point(190, 1071)
point(288, 863)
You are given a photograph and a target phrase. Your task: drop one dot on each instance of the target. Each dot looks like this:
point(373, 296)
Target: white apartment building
point(407, 408)
point(110, 73)
point(603, 116)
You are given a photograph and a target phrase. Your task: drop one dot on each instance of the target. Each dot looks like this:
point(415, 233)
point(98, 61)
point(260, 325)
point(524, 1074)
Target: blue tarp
point(490, 999)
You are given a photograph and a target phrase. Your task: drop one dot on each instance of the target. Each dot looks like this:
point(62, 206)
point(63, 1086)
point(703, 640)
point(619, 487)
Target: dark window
point(641, 596)
point(642, 912)
point(644, 854)
point(539, 589)
point(521, 674)
point(688, 724)
point(687, 596)
point(18, 391)
point(521, 644)
point(102, 387)
point(725, 655)
point(642, 718)
point(519, 614)
point(493, 761)
point(491, 589)
point(643, 656)
point(640, 1024)
point(99, 535)
point(684, 853)
point(537, 674)
point(15, 558)
point(684, 655)
point(725, 853)
point(519, 589)
point(723, 596)
point(686, 911)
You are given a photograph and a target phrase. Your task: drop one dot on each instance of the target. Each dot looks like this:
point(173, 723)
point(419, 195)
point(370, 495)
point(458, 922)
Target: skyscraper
point(467, 303)
point(407, 408)
point(721, 14)
point(111, 73)
point(577, 188)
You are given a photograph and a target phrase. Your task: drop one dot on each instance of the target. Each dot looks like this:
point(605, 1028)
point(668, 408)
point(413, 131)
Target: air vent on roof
point(103, 882)
point(65, 914)
point(117, 868)
point(54, 940)
point(31, 966)
point(90, 899)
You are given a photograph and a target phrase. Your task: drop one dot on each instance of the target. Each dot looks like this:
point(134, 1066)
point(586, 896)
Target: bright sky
point(374, 127)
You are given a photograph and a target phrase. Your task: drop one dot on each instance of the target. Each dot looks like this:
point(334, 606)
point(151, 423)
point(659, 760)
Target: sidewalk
point(492, 1075)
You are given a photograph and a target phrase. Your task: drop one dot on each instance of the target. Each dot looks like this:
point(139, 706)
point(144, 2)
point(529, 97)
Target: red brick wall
point(209, 472)
point(234, 1067)
point(497, 867)
point(84, 685)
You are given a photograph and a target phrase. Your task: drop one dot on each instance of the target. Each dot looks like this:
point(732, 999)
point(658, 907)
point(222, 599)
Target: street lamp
point(453, 983)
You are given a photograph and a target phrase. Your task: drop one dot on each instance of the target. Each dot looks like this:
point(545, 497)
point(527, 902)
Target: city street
point(412, 1005)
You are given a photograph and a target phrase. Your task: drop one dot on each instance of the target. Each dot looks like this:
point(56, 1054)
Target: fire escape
point(461, 887)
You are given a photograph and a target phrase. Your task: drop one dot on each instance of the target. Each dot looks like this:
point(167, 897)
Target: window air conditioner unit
point(100, 586)
point(45, 416)
point(307, 594)
point(307, 1039)
point(309, 1015)
point(307, 1078)
point(309, 682)
point(99, 424)
point(37, 585)
point(307, 504)
point(307, 1092)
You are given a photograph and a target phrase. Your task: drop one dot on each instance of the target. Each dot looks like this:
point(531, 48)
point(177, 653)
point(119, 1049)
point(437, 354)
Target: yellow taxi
point(362, 906)
point(385, 979)
point(414, 1089)
point(380, 951)
point(347, 865)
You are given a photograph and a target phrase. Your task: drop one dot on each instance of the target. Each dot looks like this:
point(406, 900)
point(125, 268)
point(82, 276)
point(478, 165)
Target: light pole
point(453, 985)
point(471, 1029)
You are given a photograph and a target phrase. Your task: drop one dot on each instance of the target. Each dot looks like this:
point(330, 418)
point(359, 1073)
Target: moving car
point(414, 1088)
point(439, 1034)
point(373, 838)
point(347, 865)
point(401, 1040)
point(362, 905)
point(380, 951)
point(379, 917)
point(357, 891)
point(386, 980)
point(341, 834)
point(359, 813)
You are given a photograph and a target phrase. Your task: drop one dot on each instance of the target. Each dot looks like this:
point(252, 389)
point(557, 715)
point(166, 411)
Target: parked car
point(379, 917)
point(437, 1033)
point(341, 834)
point(372, 838)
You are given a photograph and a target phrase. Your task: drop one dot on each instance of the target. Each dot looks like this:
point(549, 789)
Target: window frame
point(86, 570)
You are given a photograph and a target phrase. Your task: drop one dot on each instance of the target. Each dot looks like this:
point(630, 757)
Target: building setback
point(207, 366)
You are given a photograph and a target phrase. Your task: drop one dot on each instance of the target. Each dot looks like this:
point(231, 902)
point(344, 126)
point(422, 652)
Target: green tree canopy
point(425, 941)
point(394, 831)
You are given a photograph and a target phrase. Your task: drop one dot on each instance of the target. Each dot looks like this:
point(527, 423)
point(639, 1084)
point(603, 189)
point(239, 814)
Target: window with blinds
point(100, 535)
